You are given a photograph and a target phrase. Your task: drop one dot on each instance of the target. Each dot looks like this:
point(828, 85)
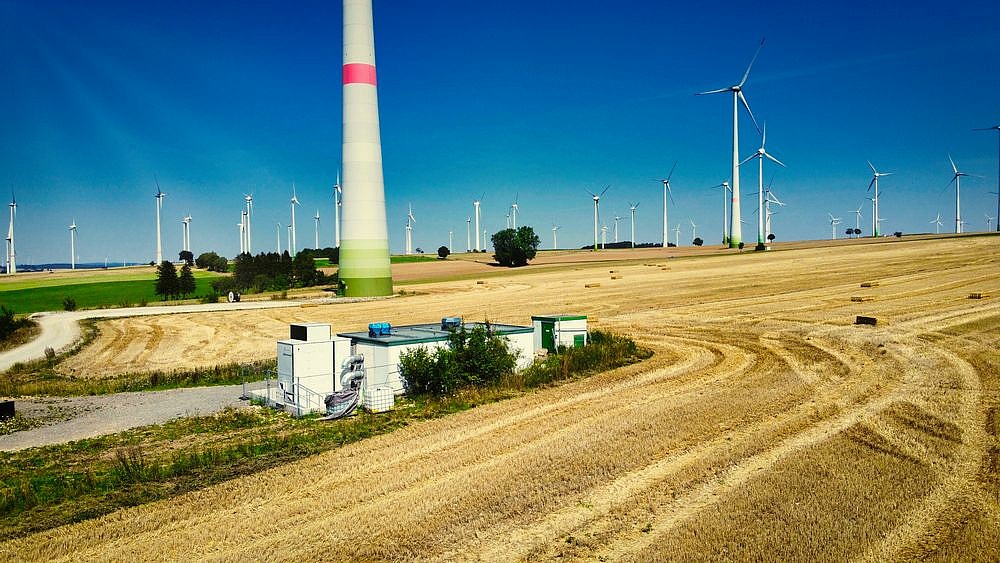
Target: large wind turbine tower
point(364, 252)
point(735, 229)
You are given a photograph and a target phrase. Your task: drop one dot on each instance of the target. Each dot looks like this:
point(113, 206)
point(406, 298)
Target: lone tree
point(697, 241)
point(185, 283)
point(443, 252)
point(167, 283)
point(514, 248)
point(770, 237)
point(186, 256)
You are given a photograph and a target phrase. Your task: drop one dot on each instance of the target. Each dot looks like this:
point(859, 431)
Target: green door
point(548, 336)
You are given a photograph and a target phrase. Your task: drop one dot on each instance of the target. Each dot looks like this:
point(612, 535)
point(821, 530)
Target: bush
point(697, 241)
point(443, 252)
point(472, 357)
point(69, 304)
point(9, 323)
point(604, 351)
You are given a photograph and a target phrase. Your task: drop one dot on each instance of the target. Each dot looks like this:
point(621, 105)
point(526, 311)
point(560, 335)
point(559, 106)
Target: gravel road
point(75, 418)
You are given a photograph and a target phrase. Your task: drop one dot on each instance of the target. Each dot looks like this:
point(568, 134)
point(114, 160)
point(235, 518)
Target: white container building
point(308, 366)
point(552, 331)
point(382, 353)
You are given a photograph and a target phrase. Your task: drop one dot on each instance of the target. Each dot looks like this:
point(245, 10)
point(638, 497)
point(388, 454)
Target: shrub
point(443, 252)
point(9, 323)
point(69, 304)
point(472, 357)
point(515, 247)
point(697, 241)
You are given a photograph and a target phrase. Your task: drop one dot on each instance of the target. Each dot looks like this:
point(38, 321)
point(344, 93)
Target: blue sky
point(540, 99)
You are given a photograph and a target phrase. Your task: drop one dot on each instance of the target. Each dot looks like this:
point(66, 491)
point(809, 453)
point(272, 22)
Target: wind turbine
point(338, 197)
point(616, 220)
point(857, 219)
point(597, 201)
point(11, 258)
point(694, 230)
point(760, 155)
point(631, 208)
point(279, 239)
point(476, 203)
point(249, 200)
point(666, 192)
point(243, 232)
point(989, 222)
point(513, 212)
point(409, 229)
point(468, 234)
point(451, 240)
point(187, 232)
point(875, 176)
point(769, 198)
point(316, 218)
point(725, 211)
point(957, 179)
point(555, 240)
point(936, 221)
point(736, 236)
point(159, 206)
point(291, 241)
point(677, 235)
point(834, 221)
point(72, 245)
point(289, 238)
point(604, 236)
point(997, 129)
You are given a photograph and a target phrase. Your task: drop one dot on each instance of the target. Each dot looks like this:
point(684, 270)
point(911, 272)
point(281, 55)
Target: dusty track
point(767, 426)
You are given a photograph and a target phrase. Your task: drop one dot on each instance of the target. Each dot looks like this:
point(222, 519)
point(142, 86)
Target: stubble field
point(766, 426)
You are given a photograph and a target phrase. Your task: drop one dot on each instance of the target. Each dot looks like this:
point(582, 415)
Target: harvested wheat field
point(766, 426)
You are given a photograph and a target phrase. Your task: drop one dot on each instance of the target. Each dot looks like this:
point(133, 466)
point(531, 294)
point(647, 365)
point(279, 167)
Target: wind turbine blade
point(671, 173)
point(592, 194)
point(775, 160)
point(870, 165)
point(752, 61)
point(870, 184)
point(994, 128)
point(719, 91)
point(746, 105)
point(748, 159)
point(953, 167)
point(605, 189)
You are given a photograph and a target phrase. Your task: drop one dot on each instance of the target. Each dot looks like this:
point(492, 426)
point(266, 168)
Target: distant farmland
point(47, 294)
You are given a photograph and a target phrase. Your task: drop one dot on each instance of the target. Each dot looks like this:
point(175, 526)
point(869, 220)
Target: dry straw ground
point(767, 425)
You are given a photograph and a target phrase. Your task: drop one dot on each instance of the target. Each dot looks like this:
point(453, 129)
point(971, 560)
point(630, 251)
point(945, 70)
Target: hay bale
point(978, 295)
point(860, 320)
point(308, 305)
point(592, 285)
point(861, 299)
point(616, 277)
point(869, 284)
point(480, 282)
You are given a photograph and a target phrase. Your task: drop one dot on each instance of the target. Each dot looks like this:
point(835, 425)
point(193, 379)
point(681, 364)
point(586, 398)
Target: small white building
point(382, 352)
point(552, 331)
point(308, 364)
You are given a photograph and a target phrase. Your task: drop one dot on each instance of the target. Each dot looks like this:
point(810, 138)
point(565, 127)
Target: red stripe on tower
point(359, 73)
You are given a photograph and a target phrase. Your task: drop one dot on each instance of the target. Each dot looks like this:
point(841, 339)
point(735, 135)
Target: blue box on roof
point(376, 330)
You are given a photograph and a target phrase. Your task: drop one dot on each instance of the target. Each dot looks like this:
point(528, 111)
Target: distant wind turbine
point(874, 183)
point(616, 220)
point(468, 234)
point(316, 218)
point(11, 256)
point(834, 221)
point(597, 201)
point(736, 236)
point(187, 232)
point(159, 206)
point(857, 219)
point(760, 155)
point(249, 201)
point(604, 236)
point(666, 192)
point(989, 221)
point(677, 235)
point(725, 211)
point(997, 129)
point(957, 180)
point(632, 207)
point(279, 239)
point(292, 246)
point(72, 245)
point(476, 203)
point(770, 198)
point(338, 197)
point(694, 230)
point(555, 240)
point(409, 229)
point(936, 221)
point(513, 212)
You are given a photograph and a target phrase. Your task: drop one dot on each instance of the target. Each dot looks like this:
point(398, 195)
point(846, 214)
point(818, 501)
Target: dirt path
point(76, 418)
point(767, 426)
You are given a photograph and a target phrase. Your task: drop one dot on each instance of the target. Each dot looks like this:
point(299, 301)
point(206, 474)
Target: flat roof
point(559, 317)
point(430, 332)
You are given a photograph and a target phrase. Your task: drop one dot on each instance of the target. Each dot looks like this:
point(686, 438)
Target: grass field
point(30, 296)
point(413, 258)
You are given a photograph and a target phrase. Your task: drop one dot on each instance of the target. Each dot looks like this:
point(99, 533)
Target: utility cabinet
point(307, 367)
